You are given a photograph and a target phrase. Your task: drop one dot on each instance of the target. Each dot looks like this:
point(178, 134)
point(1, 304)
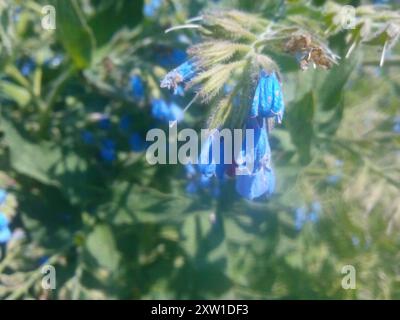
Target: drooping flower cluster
point(267, 108)
point(250, 183)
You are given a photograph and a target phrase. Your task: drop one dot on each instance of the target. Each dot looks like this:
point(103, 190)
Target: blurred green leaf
point(101, 245)
point(15, 92)
point(131, 202)
point(329, 122)
point(300, 124)
point(28, 158)
point(203, 237)
point(73, 32)
point(52, 164)
point(48, 216)
point(329, 93)
point(118, 14)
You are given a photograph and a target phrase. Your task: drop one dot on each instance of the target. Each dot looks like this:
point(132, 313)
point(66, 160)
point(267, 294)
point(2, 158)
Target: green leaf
point(52, 164)
point(118, 14)
point(329, 93)
point(47, 216)
point(202, 237)
point(32, 160)
point(73, 32)
point(329, 122)
point(133, 203)
point(300, 123)
point(101, 245)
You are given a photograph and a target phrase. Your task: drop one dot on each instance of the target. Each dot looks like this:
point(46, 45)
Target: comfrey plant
point(235, 53)
point(232, 55)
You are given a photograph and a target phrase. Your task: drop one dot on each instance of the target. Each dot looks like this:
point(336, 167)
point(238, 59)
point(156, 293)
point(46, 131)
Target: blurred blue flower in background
point(151, 7)
point(355, 240)
point(192, 187)
point(179, 91)
point(204, 182)
point(177, 56)
point(190, 170)
point(316, 208)
point(176, 113)
point(339, 163)
point(333, 178)
point(304, 214)
point(3, 196)
point(17, 13)
point(336, 177)
point(192, 175)
point(396, 126)
point(54, 61)
point(169, 58)
point(26, 66)
point(105, 122)
point(160, 110)
point(381, 1)
point(300, 218)
point(136, 142)
point(87, 137)
point(125, 122)
point(5, 232)
point(107, 150)
point(43, 260)
point(137, 87)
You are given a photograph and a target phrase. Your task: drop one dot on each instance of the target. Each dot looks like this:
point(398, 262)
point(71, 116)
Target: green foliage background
point(129, 230)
